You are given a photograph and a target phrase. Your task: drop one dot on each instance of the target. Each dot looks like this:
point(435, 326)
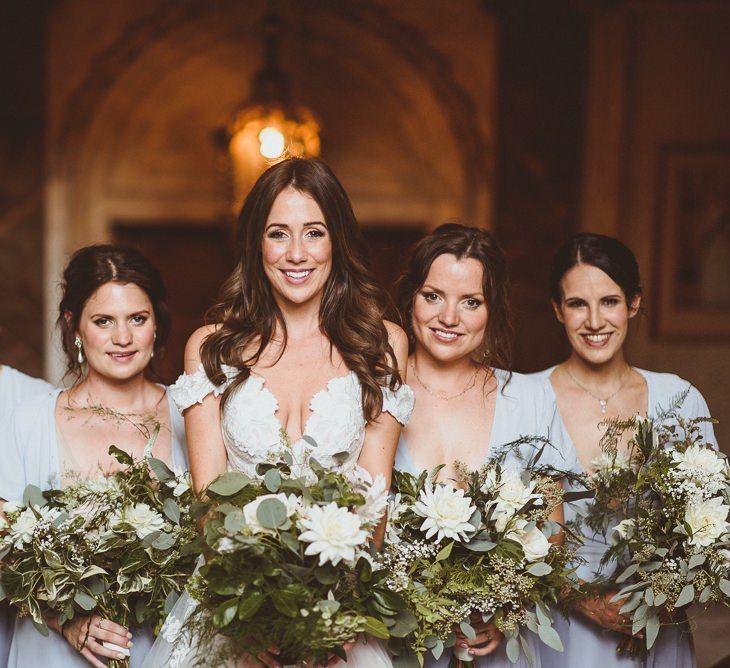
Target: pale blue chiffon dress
point(586, 643)
point(523, 407)
point(15, 387)
point(30, 455)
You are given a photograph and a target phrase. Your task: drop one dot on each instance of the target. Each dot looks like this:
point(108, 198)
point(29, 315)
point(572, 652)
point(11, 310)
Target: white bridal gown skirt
point(176, 649)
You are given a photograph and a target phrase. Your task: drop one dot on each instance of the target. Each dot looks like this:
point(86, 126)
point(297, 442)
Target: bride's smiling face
point(450, 311)
point(296, 248)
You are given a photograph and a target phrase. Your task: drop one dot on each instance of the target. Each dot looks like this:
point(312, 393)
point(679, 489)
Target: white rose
point(534, 544)
point(698, 461)
point(625, 529)
point(291, 503)
point(513, 493)
point(707, 520)
point(447, 512)
point(501, 517)
point(333, 533)
point(141, 517)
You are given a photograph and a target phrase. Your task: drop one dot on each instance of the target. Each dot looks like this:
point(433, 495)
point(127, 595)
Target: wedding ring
point(99, 623)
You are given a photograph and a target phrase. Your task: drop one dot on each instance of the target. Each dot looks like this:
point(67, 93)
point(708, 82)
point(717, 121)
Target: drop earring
point(79, 349)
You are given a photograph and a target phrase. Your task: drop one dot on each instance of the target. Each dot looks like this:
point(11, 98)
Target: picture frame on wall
point(691, 296)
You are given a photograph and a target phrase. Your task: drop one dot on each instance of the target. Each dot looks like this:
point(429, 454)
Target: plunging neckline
point(492, 431)
point(567, 437)
point(326, 389)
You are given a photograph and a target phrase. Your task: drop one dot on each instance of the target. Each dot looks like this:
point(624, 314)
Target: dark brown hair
point(352, 309)
point(464, 242)
point(606, 253)
point(89, 269)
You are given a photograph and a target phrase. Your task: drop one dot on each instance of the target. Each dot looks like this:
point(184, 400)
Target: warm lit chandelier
point(269, 127)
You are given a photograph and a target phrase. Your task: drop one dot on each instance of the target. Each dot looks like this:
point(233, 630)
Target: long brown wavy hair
point(353, 306)
point(464, 242)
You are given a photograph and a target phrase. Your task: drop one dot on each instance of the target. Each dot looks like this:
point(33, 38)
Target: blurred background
point(145, 121)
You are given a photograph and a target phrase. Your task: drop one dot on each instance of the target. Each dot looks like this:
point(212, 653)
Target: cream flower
point(707, 520)
point(606, 463)
point(447, 512)
point(534, 544)
point(625, 529)
point(250, 510)
point(141, 517)
point(333, 533)
point(23, 527)
point(179, 485)
point(697, 461)
point(376, 500)
point(513, 493)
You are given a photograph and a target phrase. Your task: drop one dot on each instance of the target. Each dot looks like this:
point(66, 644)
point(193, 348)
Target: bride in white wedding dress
point(299, 349)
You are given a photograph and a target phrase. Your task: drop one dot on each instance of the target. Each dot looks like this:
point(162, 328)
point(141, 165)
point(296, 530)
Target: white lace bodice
point(333, 433)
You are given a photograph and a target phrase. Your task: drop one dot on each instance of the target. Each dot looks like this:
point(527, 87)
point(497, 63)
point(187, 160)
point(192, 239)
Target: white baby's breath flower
point(291, 503)
point(143, 519)
point(697, 461)
point(333, 533)
point(447, 512)
point(534, 544)
point(625, 529)
point(707, 520)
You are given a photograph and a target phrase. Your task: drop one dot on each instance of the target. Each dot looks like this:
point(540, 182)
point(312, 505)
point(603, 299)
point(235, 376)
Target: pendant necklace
point(440, 395)
point(603, 403)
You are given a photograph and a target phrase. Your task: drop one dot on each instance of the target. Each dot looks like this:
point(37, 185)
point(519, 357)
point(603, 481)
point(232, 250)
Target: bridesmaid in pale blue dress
point(453, 297)
point(113, 317)
point(15, 387)
point(596, 291)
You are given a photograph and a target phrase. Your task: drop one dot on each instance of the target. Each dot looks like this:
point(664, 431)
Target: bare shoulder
point(396, 335)
point(195, 342)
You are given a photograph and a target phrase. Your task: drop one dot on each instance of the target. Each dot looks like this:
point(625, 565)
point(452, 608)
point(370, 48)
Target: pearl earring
point(79, 349)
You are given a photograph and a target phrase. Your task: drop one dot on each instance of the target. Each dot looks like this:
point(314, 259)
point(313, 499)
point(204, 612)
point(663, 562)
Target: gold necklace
point(603, 403)
point(440, 395)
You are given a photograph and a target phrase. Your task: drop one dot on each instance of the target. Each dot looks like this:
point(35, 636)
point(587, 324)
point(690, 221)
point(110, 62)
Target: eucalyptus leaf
point(376, 628)
point(725, 586)
point(660, 599)
point(480, 545)
point(705, 594)
point(543, 618)
point(627, 573)
point(437, 650)
point(32, 495)
point(271, 513)
point(160, 469)
point(272, 480)
point(513, 649)
point(539, 569)
point(405, 623)
point(652, 630)
point(550, 637)
point(468, 630)
point(171, 510)
point(444, 552)
point(687, 595)
point(164, 541)
point(234, 521)
point(229, 483)
point(697, 560)
point(527, 650)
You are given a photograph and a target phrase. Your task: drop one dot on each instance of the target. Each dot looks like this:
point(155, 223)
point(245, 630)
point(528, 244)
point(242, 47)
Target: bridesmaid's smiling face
point(449, 311)
point(595, 313)
point(117, 330)
point(296, 248)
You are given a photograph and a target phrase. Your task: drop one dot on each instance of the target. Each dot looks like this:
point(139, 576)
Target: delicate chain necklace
point(440, 395)
point(602, 402)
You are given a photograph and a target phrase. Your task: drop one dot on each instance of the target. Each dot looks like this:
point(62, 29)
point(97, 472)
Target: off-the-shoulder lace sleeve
point(399, 403)
point(190, 389)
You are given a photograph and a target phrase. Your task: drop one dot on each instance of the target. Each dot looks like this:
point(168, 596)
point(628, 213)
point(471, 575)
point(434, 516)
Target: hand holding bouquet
point(665, 502)
point(480, 549)
point(116, 545)
point(288, 564)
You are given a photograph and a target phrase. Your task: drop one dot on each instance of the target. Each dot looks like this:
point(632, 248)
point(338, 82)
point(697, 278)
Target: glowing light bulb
point(272, 143)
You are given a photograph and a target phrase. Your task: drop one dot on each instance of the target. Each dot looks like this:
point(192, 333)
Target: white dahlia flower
point(447, 512)
point(707, 520)
point(334, 533)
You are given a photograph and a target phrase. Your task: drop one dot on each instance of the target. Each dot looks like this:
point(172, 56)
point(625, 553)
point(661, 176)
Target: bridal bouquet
point(116, 545)
point(476, 551)
point(288, 564)
point(665, 504)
